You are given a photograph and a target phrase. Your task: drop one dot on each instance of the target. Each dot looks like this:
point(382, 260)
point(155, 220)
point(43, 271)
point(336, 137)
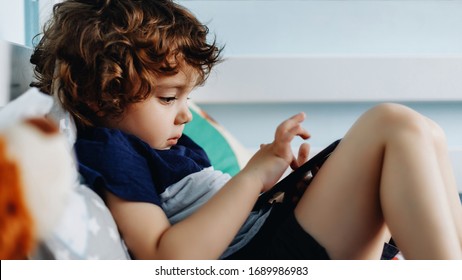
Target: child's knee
point(438, 134)
point(395, 119)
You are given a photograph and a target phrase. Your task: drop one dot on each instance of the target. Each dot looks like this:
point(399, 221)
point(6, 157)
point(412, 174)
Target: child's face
point(160, 119)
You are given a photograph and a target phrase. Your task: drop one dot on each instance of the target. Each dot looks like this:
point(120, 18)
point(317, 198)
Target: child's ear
point(93, 106)
point(96, 109)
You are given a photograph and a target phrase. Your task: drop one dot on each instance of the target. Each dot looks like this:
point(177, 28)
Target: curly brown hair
point(99, 56)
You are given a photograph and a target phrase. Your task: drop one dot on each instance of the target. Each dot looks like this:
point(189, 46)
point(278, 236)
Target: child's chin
point(166, 147)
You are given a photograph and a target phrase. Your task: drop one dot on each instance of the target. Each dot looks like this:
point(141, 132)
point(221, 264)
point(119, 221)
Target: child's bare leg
point(448, 176)
point(385, 174)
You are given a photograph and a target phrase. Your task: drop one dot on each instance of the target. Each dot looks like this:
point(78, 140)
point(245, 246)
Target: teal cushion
point(224, 151)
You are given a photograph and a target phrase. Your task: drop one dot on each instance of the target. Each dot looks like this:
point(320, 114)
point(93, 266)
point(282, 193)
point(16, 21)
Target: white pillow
point(32, 103)
point(86, 228)
point(64, 120)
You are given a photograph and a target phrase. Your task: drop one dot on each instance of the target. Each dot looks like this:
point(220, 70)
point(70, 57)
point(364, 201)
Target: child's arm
point(207, 233)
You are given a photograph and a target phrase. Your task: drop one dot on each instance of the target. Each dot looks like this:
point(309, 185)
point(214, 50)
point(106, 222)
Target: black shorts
point(281, 238)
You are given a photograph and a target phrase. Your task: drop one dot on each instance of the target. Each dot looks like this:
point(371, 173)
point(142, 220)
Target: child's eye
point(167, 100)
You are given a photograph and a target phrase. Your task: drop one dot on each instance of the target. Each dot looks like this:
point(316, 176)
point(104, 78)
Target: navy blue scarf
point(128, 167)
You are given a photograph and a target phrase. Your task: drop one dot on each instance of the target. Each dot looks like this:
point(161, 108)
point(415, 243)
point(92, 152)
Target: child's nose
point(184, 116)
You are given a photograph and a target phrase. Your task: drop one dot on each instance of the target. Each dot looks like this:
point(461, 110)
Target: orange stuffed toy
point(36, 175)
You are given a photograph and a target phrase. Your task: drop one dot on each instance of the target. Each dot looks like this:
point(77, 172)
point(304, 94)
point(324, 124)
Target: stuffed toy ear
point(37, 174)
point(16, 226)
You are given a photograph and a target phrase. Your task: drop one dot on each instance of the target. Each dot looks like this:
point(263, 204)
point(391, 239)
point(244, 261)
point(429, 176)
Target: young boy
point(124, 69)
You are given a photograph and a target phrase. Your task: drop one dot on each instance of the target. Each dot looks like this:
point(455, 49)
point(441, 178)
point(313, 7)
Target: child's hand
point(272, 160)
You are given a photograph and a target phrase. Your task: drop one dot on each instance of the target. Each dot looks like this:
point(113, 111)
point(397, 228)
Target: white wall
point(334, 78)
point(334, 27)
point(334, 50)
point(423, 37)
point(5, 58)
point(12, 21)
point(289, 56)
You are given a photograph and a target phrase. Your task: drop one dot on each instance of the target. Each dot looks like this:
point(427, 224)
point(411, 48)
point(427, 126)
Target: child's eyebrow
point(172, 85)
point(177, 84)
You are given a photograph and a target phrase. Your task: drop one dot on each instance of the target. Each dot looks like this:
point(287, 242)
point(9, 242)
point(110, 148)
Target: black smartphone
point(291, 180)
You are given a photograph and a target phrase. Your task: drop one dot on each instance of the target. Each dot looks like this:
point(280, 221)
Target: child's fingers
point(303, 153)
point(300, 131)
point(263, 145)
point(288, 129)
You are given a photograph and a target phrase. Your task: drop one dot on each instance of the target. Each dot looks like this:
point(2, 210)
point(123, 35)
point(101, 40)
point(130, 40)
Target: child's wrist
point(252, 175)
